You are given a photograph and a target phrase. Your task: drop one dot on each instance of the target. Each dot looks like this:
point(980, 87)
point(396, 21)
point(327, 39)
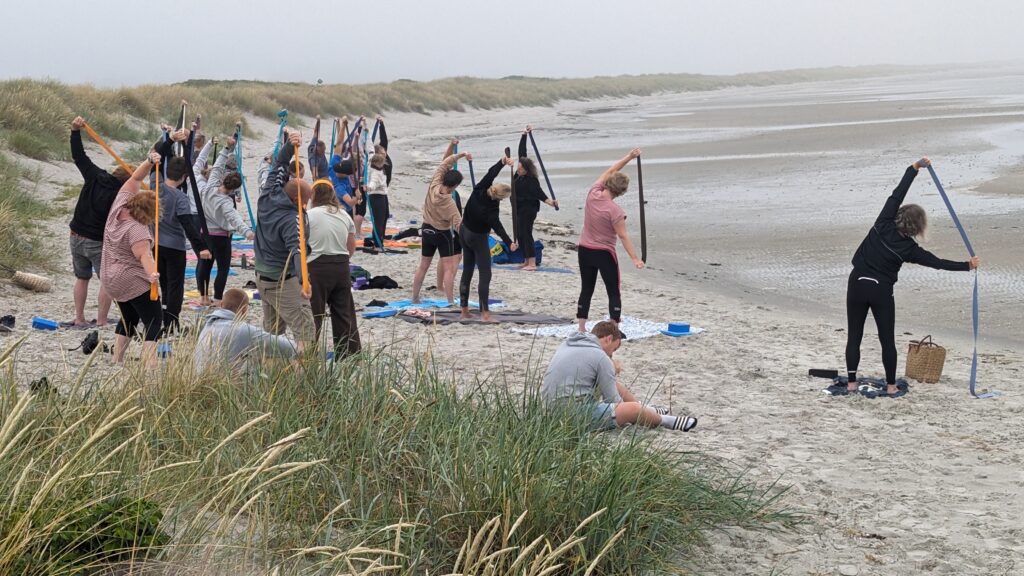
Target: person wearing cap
point(583, 371)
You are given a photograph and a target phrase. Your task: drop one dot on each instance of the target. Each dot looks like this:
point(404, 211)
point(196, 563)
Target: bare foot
point(486, 317)
point(529, 268)
point(465, 315)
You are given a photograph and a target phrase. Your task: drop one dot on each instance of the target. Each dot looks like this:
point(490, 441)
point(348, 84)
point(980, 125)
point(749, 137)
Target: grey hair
point(912, 221)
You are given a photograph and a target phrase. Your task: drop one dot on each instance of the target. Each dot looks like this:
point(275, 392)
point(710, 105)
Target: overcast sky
point(122, 42)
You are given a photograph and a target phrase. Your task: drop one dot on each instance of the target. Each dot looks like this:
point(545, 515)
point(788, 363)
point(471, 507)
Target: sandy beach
point(758, 197)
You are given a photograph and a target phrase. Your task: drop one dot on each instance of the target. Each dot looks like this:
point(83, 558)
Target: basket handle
point(926, 342)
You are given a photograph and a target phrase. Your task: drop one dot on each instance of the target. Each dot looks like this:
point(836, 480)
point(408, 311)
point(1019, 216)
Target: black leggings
point(865, 293)
point(379, 209)
point(220, 248)
point(476, 253)
point(591, 262)
point(140, 309)
point(526, 220)
point(171, 266)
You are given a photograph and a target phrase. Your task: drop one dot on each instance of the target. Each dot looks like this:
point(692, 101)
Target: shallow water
point(776, 187)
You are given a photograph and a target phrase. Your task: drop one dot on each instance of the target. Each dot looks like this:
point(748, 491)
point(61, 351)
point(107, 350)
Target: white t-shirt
point(328, 232)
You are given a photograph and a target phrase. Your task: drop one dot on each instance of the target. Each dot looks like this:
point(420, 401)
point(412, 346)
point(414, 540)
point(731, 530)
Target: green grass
point(20, 211)
point(381, 459)
point(35, 114)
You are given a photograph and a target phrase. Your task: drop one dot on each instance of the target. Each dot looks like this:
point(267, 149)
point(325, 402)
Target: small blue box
point(40, 323)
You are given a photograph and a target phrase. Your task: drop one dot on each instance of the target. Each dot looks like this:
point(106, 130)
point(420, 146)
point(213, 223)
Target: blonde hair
point(377, 161)
point(499, 191)
point(911, 220)
point(616, 184)
point(324, 195)
point(142, 207)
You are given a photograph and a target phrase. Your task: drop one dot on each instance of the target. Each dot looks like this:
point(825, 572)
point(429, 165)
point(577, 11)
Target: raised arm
point(895, 200)
point(279, 173)
point(925, 258)
point(82, 161)
point(339, 146)
point(203, 156)
point(444, 167)
point(383, 134)
point(522, 143)
point(619, 164)
point(451, 148)
point(484, 183)
point(219, 169)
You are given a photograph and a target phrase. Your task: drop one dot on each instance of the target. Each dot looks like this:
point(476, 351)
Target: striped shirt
point(121, 273)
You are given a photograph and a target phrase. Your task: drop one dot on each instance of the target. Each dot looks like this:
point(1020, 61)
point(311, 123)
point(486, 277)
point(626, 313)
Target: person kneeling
point(226, 337)
point(582, 368)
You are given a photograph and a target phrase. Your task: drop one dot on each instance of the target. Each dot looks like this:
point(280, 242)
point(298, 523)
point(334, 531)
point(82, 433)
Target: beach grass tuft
point(384, 463)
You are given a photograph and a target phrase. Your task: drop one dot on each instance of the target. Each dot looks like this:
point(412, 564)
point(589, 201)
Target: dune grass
point(380, 464)
point(20, 211)
point(35, 114)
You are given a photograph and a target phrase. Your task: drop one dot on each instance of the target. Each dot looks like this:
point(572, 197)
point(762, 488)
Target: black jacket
point(97, 195)
point(529, 193)
point(483, 212)
point(885, 249)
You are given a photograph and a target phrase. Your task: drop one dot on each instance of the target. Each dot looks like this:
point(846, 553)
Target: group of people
point(301, 286)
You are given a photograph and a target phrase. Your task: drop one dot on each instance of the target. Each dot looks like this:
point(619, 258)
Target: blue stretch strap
point(472, 176)
point(277, 143)
point(348, 139)
point(974, 306)
point(536, 152)
point(455, 150)
point(334, 135)
point(241, 175)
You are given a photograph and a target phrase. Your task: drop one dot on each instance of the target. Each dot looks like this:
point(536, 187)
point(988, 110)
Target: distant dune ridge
point(34, 114)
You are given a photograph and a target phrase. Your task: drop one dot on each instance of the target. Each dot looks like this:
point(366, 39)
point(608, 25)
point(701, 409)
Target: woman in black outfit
point(529, 195)
point(481, 216)
point(876, 266)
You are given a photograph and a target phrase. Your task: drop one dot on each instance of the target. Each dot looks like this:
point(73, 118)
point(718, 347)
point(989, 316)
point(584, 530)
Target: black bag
point(381, 282)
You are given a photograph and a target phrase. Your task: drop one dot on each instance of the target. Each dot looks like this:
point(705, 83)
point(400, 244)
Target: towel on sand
point(443, 317)
point(634, 329)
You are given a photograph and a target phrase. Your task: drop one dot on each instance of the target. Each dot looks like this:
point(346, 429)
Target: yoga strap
point(974, 306)
point(241, 175)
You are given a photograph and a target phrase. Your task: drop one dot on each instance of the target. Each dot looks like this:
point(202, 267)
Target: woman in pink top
point(127, 268)
point(604, 222)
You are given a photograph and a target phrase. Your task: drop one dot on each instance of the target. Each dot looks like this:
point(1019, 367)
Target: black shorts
point(361, 207)
point(434, 240)
point(458, 244)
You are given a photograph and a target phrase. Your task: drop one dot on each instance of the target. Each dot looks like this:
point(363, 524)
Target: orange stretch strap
point(154, 290)
point(96, 138)
point(302, 227)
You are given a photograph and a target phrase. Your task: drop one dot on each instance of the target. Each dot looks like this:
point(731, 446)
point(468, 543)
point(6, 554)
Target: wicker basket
point(32, 282)
point(925, 360)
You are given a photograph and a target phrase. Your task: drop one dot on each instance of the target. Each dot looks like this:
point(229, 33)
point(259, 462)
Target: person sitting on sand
point(226, 338)
point(222, 220)
point(529, 195)
point(128, 269)
point(97, 195)
point(604, 221)
point(285, 302)
point(482, 215)
point(440, 216)
point(583, 371)
point(876, 266)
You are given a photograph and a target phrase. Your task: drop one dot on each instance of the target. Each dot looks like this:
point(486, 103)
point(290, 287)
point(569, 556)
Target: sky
point(122, 42)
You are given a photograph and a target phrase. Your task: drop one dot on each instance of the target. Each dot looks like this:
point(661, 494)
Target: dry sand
point(930, 483)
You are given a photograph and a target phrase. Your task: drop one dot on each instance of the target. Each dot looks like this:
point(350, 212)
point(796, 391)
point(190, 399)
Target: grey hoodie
point(221, 215)
point(580, 369)
point(224, 339)
point(277, 232)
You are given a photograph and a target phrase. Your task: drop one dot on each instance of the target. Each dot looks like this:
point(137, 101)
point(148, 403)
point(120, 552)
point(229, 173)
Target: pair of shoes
point(685, 423)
